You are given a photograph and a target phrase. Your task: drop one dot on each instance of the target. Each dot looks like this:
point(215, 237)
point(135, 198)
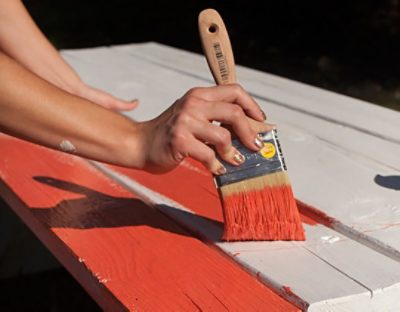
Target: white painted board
point(337, 176)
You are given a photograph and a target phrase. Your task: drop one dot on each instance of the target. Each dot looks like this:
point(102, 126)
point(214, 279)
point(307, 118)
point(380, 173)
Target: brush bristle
point(261, 208)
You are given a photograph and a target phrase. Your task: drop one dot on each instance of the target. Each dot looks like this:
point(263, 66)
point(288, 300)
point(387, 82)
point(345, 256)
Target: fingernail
point(263, 114)
point(238, 158)
point(221, 170)
point(258, 142)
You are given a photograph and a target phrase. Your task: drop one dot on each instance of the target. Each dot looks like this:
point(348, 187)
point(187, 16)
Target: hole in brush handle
point(213, 28)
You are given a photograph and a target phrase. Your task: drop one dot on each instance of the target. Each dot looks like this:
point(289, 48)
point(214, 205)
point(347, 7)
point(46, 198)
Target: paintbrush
point(256, 197)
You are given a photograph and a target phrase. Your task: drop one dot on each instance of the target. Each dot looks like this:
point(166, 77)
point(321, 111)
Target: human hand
point(185, 127)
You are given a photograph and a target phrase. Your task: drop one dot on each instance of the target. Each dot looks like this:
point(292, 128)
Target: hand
point(182, 130)
point(103, 98)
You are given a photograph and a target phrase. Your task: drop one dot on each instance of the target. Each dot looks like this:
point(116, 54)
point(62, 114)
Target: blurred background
point(350, 47)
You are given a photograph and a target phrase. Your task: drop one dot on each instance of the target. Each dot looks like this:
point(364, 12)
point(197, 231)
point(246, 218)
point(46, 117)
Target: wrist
point(133, 150)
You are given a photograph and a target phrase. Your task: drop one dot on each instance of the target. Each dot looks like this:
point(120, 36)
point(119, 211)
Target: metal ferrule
point(268, 160)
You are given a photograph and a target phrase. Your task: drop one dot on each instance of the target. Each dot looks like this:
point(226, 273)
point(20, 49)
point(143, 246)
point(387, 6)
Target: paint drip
point(67, 146)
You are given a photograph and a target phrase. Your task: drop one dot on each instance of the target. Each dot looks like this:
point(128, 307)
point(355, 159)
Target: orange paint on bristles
point(266, 213)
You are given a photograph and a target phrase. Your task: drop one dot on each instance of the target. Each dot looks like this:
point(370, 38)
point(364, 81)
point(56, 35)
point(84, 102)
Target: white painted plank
point(129, 78)
point(329, 165)
point(298, 95)
point(327, 271)
point(353, 144)
point(334, 153)
point(341, 184)
point(344, 116)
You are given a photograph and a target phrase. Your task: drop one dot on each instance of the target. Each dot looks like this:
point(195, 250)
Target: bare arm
point(37, 111)
point(22, 40)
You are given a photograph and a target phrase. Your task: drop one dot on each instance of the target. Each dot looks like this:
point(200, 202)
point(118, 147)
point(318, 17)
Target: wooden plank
point(311, 100)
point(338, 149)
point(325, 256)
point(125, 254)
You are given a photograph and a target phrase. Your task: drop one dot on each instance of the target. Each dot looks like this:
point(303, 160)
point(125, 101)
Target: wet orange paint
point(269, 213)
point(124, 253)
point(200, 195)
point(307, 220)
point(314, 216)
point(189, 184)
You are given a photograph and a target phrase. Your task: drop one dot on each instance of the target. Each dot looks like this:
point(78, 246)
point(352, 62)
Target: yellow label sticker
point(268, 151)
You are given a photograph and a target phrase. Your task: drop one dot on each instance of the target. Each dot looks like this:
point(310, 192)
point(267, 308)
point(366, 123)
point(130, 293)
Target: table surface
point(151, 242)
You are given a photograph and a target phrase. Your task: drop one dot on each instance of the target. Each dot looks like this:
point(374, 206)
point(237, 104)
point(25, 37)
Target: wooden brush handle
point(217, 47)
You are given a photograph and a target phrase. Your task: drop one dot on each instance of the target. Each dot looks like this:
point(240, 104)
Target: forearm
point(23, 41)
point(35, 110)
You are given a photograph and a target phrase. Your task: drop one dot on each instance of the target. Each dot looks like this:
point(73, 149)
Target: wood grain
point(124, 253)
point(334, 131)
point(217, 47)
point(325, 256)
point(327, 141)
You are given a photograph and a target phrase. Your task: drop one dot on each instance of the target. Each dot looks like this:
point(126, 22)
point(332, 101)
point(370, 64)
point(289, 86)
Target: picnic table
point(142, 242)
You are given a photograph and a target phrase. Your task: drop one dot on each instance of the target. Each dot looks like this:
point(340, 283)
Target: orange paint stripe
point(314, 216)
point(120, 250)
point(200, 195)
point(190, 184)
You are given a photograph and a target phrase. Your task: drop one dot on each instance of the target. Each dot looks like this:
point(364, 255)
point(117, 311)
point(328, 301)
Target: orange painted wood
point(190, 184)
point(200, 194)
point(124, 253)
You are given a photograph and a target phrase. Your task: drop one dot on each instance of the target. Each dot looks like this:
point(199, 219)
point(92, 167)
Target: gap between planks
point(210, 232)
point(152, 198)
point(270, 100)
point(106, 255)
point(342, 228)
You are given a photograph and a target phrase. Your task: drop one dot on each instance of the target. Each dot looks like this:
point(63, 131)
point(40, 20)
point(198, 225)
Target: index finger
point(232, 93)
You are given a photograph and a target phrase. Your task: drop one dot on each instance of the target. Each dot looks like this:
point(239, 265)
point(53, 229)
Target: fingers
point(121, 105)
point(183, 129)
point(258, 127)
point(220, 138)
point(232, 93)
point(205, 155)
point(233, 115)
point(107, 100)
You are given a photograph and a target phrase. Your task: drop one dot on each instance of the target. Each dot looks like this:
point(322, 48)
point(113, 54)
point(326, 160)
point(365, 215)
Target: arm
point(23, 41)
point(37, 111)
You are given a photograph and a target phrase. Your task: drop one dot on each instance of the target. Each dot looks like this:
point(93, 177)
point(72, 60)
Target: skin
point(22, 40)
point(42, 100)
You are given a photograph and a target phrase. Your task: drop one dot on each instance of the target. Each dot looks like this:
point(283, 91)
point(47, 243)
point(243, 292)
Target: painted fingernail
point(238, 158)
point(263, 114)
point(258, 142)
point(221, 170)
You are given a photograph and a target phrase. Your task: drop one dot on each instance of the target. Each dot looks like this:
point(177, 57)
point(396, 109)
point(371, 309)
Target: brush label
point(268, 151)
point(223, 69)
point(268, 160)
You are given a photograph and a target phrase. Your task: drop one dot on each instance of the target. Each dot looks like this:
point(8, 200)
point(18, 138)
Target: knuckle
point(178, 157)
point(181, 121)
point(250, 132)
point(190, 103)
point(209, 156)
point(237, 112)
point(194, 92)
point(223, 136)
point(238, 89)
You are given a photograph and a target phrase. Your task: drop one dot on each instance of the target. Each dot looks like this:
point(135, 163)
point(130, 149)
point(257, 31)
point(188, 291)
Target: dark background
point(351, 47)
